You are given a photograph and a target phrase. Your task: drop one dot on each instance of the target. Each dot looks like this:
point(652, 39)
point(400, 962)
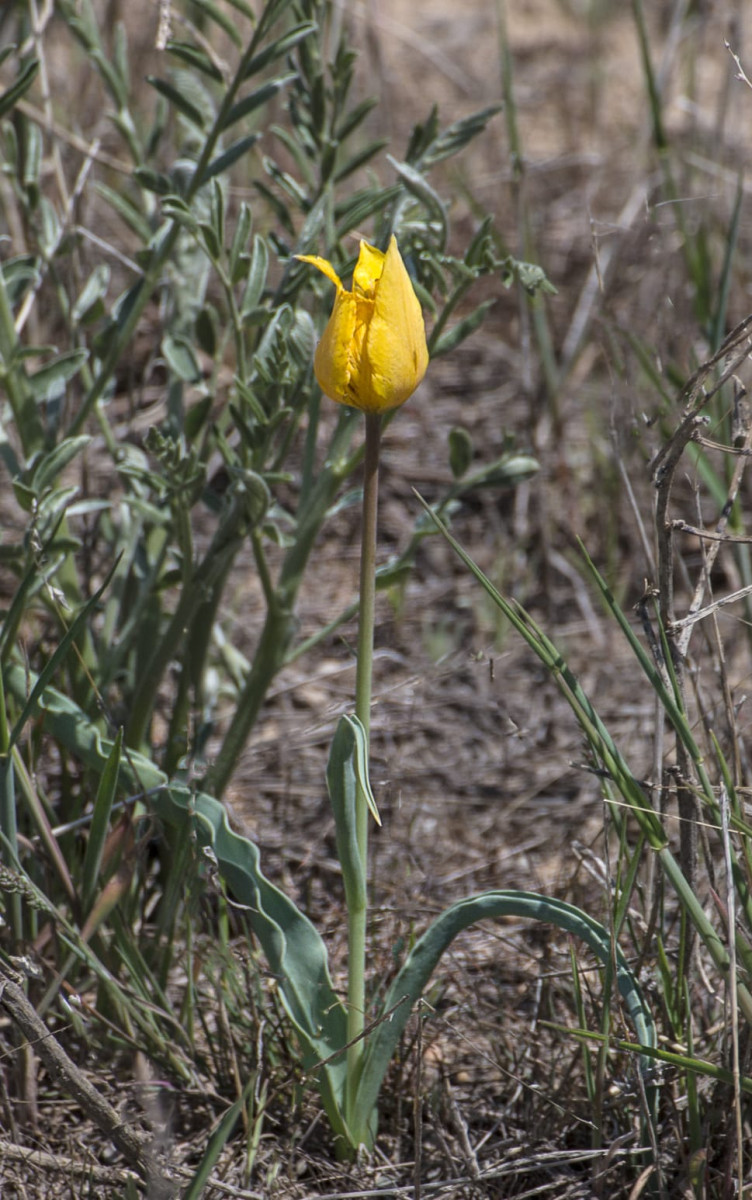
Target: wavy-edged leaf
point(293, 947)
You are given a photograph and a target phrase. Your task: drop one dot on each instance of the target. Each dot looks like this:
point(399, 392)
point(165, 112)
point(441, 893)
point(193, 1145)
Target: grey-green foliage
point(218, 285)
point(166, 416)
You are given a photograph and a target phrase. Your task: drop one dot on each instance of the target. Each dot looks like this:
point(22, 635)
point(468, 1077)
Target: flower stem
point(357, 918)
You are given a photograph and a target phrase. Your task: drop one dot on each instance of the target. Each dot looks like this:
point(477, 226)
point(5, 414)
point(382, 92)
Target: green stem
point(357, 918)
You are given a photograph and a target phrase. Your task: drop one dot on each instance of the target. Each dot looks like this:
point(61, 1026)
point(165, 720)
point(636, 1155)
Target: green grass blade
point(606, 751)
point(100, 822)
point(59, 656)
point(221, 1135)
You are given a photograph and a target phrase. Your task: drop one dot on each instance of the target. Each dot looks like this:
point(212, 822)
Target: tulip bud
point(373, 353)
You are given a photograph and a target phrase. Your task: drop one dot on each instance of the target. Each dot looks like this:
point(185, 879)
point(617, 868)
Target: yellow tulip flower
point(373, 353)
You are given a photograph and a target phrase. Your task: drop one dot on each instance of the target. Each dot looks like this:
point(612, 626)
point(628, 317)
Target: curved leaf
point(421, 963)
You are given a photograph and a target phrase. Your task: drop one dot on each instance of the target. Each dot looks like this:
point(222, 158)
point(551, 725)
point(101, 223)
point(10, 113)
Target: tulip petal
point(325, 267)
point(396, 355)
point(368, 270)
point(332, 363)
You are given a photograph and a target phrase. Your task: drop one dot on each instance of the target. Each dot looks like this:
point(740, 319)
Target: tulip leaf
point(343, 794)
point(293, 948)
point(423, 959)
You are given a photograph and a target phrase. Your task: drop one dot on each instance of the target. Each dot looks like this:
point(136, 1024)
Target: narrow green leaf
point(283, 45)
point(462, 330)
point(230, 156)
point(181, 357)
point(358, 160)
point(100, 822)
point(255, 99)
point(240, 241)
point(52, 377)
point(191, 54)
point(254, 288)
point(48, 468)
point(178, 99)
point(418, 185)
point(23, 82)
point(126, 209)
point(460, 451)
point(353, 212)
point(224, 20)
point(153, 181)
point(457, 135)
point(59, 656)
point(196, 1186)
point(90, 302)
